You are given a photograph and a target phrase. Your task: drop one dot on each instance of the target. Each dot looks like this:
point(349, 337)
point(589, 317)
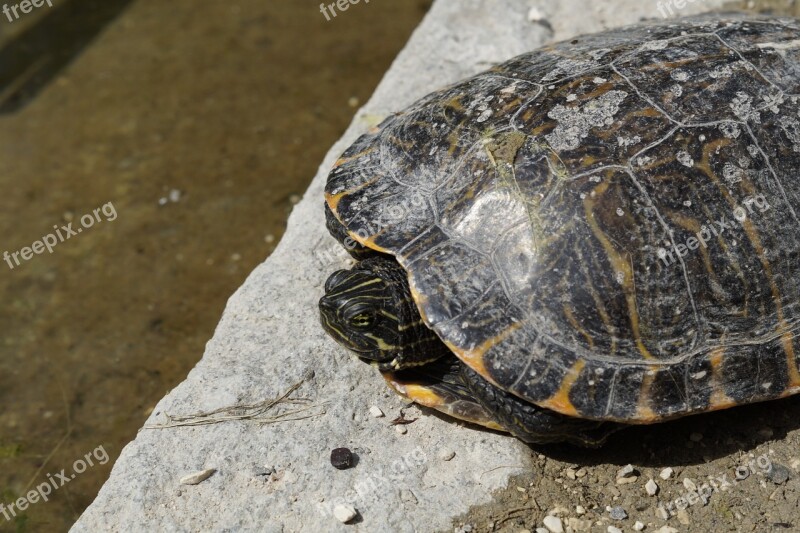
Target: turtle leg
point(438, 385)
point(531, 423)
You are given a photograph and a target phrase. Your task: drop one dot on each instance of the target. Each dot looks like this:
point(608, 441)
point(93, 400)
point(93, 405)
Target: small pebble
point(262, 471)
point(401, 428)
point(618, 513)
point(683, 517)
point(778, 474)
point(696, 437)
point(796, 464)
point(651, 487)
point(570, 473)
point(408, 496)
point(638, 526)
point(667, 529)
point(174, 195)
point(198, 477)
point(534, 15)
point(446, 454)
point(581, 472)
point(666, 473)
point(625, 471)
point(375, 411)
point(341, 458)
point(614, 529)
point(688, 484)
point(580, 510)
point(627, 480)
point(554, 524)
point(542, 530)
point(344, 513)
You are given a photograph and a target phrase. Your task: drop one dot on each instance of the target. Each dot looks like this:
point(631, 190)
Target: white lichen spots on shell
point(773, 102)
point(742, 107)
point(628, 141)
point(679, 75)
point(732, 173)
point(723, 71)
point(567, 67)
point(730, 130)
point(658, 44)
point(574, 123)
point(791, 128)
point(698, 375)
point(685, 159)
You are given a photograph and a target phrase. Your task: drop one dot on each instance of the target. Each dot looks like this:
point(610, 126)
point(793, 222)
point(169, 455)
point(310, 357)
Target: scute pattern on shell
point(540, 209)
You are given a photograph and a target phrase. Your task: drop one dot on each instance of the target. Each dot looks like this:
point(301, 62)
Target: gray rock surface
point(278, 477)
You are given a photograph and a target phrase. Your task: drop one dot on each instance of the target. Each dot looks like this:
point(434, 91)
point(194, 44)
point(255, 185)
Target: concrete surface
point(277, 477)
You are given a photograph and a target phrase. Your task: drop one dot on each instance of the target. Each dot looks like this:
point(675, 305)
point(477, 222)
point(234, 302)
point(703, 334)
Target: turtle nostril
point(326, 305)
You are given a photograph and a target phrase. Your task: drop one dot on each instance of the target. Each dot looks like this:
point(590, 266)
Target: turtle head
point(369, 310)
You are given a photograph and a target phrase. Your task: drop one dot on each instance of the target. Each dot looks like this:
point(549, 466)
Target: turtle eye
point(363, 320)
point(360, 317)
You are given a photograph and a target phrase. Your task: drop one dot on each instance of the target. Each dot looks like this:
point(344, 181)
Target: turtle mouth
point(392, 365)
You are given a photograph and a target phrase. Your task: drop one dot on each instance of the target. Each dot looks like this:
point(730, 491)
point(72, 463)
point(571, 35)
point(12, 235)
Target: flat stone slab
point(278, 476)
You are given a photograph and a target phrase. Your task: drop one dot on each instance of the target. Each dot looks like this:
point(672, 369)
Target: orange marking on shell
point(791, 361)
point(344, 160)
point(560, 401)
point(644, 412)
point(718, 400)
point(474, 358)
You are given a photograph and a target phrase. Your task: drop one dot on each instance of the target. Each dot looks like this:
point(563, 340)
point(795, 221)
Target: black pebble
point(341, 458)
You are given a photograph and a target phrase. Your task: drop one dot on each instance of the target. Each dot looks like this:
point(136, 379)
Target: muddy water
point(197, 124)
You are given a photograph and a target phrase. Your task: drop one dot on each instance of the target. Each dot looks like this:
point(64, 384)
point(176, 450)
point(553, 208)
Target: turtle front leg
point(438, 385)
point(531, 423)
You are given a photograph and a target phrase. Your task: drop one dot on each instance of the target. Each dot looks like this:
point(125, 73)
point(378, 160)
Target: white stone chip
point(666, 473)
point(197, 477)
point(651, 487)
point(376, 412)
point(446, 454)
point(344, 513)
point(553, 524)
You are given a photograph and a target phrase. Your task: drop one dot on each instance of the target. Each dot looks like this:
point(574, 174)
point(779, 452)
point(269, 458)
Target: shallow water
point(193, 126)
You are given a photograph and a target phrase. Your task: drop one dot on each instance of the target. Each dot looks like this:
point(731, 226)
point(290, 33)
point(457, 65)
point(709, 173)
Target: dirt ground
point(736, 470)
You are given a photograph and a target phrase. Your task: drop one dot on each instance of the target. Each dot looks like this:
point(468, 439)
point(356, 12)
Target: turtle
point(598, 234)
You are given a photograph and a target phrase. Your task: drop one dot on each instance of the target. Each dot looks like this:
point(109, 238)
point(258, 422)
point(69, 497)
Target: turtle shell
point(606, 227)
